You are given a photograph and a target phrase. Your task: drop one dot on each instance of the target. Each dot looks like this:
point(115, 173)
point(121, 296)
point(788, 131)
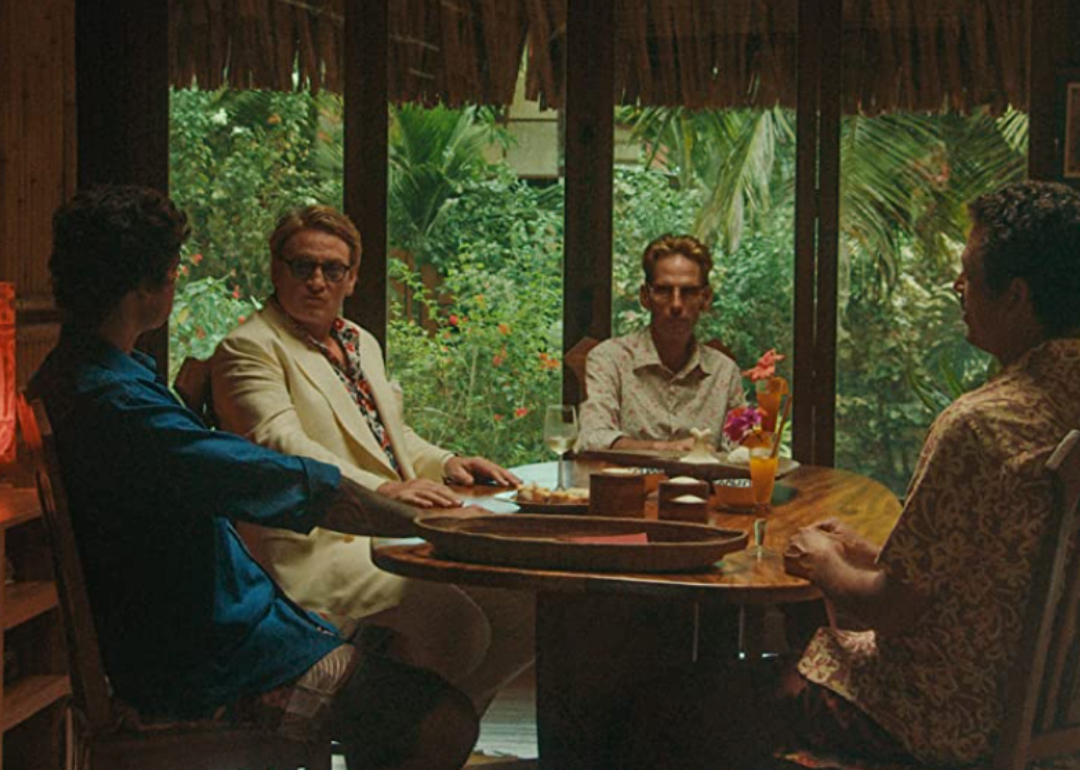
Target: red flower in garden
point(236, 292)
point(521, 411)
point(453, 319)
point(196, 258)
point(242, 319)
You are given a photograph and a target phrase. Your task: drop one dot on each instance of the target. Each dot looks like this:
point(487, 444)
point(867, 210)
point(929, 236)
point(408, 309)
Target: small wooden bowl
point(617, 492)
point(734, 493)
point(682, 485)
point(688, 508)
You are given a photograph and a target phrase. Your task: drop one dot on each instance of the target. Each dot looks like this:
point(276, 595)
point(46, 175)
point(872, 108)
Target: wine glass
point(759, 551)
point(560, 432)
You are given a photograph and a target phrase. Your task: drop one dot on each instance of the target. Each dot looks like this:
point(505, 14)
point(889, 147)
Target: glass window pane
point(237, 160)
point(913, 155)
point(705, 145)
point(475, 229)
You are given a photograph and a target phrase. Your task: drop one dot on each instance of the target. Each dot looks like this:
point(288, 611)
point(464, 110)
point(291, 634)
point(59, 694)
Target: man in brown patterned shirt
point(648, 389)
point(943, 598)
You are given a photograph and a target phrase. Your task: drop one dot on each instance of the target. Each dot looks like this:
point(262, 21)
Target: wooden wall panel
point(37, 157)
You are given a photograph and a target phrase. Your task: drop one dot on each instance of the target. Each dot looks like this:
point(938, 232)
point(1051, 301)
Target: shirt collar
point(298, 329)
point(644, 354)
point(91, 347)
point(1042, 360)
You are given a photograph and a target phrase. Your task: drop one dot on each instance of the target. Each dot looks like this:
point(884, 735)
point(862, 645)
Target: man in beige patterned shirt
point(944, 597)
point(648, 389)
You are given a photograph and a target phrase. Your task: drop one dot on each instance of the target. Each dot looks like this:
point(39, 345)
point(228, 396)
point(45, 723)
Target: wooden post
point(806, 143)
point(828, 241)
point(122, 101)
point(817, 212)
point(366, 144)
point(590, 117)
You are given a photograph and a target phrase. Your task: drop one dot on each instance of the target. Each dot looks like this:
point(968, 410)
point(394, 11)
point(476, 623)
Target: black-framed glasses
point(668, 293)
point(303, 269)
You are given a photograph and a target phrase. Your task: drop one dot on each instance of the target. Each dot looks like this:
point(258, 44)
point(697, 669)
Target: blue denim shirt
point(186, 619)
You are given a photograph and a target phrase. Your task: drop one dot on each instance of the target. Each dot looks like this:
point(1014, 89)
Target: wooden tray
point(542, 542)
point(669, 462)
point(565, 509)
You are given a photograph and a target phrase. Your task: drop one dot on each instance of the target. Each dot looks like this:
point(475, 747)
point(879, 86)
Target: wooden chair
point(103, 740)
point(575, 359)
point(192, 384)
point(1041, 725)
point(574, 362)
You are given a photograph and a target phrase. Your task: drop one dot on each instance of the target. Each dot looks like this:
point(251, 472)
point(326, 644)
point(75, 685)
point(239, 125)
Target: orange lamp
point(8, 384)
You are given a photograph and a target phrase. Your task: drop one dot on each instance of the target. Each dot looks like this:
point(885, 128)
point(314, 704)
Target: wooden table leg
point(590, 649)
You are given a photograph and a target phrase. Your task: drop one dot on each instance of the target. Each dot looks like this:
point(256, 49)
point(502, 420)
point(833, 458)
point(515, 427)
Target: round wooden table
point(600, 632)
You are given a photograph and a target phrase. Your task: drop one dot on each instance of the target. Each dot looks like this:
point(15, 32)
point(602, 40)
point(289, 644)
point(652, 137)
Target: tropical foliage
point(478, 372)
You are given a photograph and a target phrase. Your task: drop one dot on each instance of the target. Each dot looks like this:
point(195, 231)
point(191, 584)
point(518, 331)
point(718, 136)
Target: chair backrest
point(574, 362)
point(575, 359)
point(716, 344)
point(192, 384)
point(1042, 706)
point(91, 692)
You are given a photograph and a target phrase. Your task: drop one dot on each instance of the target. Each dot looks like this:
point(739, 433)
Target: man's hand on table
point(423, 493)
point(468, 470)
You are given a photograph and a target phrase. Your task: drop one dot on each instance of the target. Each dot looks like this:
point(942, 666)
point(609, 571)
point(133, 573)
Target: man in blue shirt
point(189, 624)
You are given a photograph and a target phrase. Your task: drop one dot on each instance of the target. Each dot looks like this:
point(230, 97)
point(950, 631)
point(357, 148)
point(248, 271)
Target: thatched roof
point(922, 55)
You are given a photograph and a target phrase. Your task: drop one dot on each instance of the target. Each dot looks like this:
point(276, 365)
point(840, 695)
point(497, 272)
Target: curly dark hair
point(1031, 230)
point(109, 240)
point(668, 245)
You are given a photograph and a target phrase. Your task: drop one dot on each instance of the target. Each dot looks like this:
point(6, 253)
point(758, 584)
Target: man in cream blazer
point(300, 379)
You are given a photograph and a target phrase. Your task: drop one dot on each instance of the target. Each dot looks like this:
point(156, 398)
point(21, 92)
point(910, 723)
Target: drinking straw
point(783, 422)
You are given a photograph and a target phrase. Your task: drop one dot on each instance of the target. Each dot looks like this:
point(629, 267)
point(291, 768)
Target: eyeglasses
point(303, 269)
point(668, 293)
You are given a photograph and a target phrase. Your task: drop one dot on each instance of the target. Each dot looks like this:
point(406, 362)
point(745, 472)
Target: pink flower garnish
point(765, 368)
point(741, 421)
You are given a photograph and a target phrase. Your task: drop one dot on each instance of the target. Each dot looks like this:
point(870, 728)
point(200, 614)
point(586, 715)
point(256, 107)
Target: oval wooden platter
point(554, 542)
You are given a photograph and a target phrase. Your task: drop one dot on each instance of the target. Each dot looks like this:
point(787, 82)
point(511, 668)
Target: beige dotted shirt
point(631, 393)
point(975, 510)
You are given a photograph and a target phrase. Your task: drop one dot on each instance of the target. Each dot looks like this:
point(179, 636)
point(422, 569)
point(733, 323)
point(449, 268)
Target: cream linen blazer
point(271, 387)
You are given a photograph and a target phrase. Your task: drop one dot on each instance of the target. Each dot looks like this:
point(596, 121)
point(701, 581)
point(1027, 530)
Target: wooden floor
point(508, 728)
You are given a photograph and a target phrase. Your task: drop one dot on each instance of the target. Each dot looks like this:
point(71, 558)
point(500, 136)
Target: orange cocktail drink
point(763, 474)
point(769, 394)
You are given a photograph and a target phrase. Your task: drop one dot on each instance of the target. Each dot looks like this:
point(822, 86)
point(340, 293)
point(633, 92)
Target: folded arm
point(355, 510)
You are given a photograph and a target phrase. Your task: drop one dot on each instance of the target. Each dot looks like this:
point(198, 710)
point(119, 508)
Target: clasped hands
point(812, 549)
point(466, 471)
